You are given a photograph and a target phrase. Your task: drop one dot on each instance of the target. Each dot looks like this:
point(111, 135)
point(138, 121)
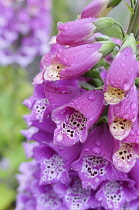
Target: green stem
point(137, 35)
point(121, 29)
point(131, 2)
point(134, 22)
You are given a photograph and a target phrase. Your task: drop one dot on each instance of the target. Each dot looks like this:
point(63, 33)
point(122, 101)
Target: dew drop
point(126, 86)
point(59, 138)
point(58, 55)
point(96, 180)
point(96, 151)
point(112, 82)
point(132, 132)
point(98, 143)
point(138, 132)
point(65, 60)
point(65, 91)
point(63, 111)
point(126, 116)
point(133, 105)
point(61, 50)
point(86, 150)
point(89, 46)
point(91, 98)
point(66, 28)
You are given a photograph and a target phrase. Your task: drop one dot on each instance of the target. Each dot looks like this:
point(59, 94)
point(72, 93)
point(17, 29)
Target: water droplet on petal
point(98, 143)
point(133, 105)
point(96, 151)
point(126, 116)
point(86, 150)
point(126, 86)
point(63, 112)
point(92, 98)
point(138, 132)
point(132, 132)
point(64, 60)
point(66, 28)
point(59, 138)
point(61, 50)
point(89, 46)
point(58, 55)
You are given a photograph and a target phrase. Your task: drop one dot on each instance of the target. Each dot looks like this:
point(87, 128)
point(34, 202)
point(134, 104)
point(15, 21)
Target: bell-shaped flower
point(47, 96)
point(125, 158)
point(114, 194)
point(52, 167)
point(49, 63)
point(99, 8)
point(76, 118)
point(94, 164)
point(122, 115)
point(72, 62)
point(74, 196)
point(75, 32)
point(122, 73)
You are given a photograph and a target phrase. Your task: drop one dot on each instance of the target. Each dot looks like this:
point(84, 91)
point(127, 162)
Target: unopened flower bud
point(104, 22)
point(107, 47)
point(99, 8)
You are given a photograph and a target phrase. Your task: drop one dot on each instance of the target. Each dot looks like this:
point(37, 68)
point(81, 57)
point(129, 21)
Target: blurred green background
point(15, 87)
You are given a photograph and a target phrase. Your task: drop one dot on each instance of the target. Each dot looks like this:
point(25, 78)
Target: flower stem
point(134, 22)
point(121, 29)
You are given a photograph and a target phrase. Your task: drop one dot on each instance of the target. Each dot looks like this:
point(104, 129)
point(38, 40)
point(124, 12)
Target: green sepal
point(129, 42)
point(102, 38)
point(101, 63)
point(113, 3)
point(97, 82)
point(107, 47)
point(103, 23)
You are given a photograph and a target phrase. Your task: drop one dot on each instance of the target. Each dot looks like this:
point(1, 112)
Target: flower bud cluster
point(84, 121)
point(24, 30)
